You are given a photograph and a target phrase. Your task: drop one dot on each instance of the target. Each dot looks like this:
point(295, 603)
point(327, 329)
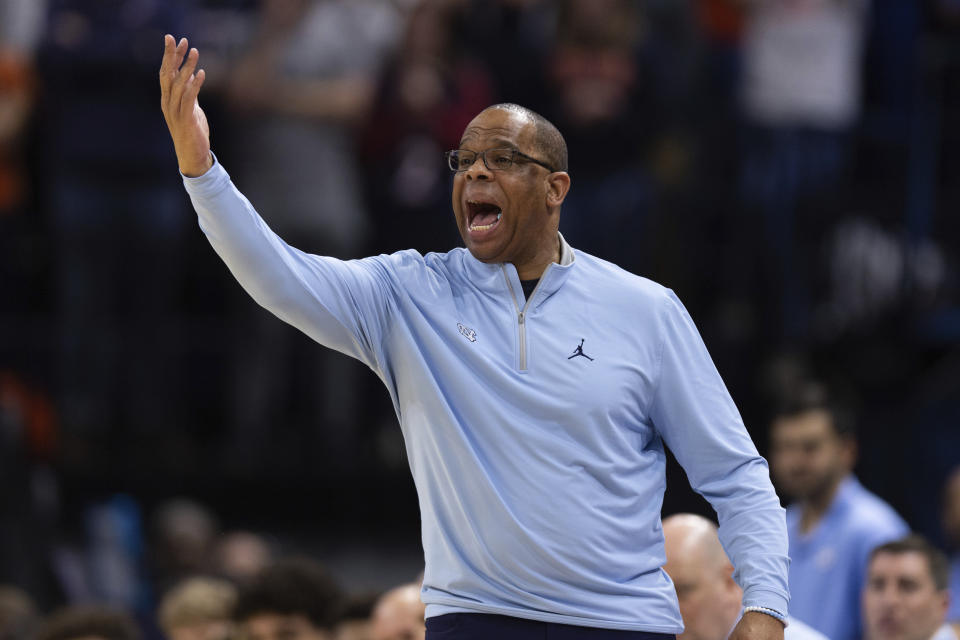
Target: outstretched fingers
point(169, 70)
point(179, 53)
point(192, 89)
point(166, 71)
point(172, 58)
point(184, 76)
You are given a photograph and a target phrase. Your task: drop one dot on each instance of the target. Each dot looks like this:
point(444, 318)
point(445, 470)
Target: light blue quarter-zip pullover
point(535, 429)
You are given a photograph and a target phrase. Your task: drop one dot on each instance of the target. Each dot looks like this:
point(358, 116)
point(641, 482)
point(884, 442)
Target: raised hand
point(179, 87)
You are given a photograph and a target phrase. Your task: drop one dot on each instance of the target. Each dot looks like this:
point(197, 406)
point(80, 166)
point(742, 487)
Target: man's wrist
point(773, 613)
point(196, 170)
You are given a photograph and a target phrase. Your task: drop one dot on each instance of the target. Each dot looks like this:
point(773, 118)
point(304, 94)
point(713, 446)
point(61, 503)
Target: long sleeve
point(344, 305)
point(698, 420)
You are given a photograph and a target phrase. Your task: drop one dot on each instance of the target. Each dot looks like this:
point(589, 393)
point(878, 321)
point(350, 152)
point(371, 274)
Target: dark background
point(130, 360)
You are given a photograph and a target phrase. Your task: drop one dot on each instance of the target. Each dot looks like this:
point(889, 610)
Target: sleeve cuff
point(766, 599)
point(210, 183)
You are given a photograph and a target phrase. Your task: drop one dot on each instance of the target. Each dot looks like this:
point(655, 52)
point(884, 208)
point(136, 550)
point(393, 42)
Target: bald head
point(399, 615)
point(547, 139)
point(692, 536)
point(709, 598)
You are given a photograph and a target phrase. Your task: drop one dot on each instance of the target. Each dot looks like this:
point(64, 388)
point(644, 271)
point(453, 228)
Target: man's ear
point(558, 185)
point(944, 604)
point(726, 570)
point(849, 451)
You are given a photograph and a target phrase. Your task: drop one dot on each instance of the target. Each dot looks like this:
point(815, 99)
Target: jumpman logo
point(579, 352)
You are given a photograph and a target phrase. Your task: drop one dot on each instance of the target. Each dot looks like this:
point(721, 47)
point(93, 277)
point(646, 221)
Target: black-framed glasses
point(499, 159)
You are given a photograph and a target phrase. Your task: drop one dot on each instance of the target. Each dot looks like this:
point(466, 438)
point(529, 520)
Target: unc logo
point(467, 332)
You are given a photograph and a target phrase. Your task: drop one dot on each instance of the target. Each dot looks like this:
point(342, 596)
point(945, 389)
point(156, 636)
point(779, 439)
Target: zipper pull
point(520, 317)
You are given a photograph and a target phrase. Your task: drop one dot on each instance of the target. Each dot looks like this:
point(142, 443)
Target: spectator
point(117, 217)
point(834, 521)
point(801, 99)
point(951, 527)
point(802, 62)
point(184, 533)
point(399, 615)
point(198, 609)
point(18, 614)
point(29, 440)
point(354, 623)
point(306, 81)
point(292, 599)
point(427, 95)
point(605, 115)
point(241, 555)
point(711, 601)
point(105, 563)
point(21, 24)
point(301, 91)
point(88, 623)
point(905, 596)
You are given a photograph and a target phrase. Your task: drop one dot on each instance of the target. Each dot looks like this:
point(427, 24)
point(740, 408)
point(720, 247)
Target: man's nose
point(478, 170)
point(889, 598)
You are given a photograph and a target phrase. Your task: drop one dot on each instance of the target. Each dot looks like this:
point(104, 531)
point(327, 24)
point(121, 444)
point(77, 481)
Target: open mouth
point(889, 625)
point(482, 216)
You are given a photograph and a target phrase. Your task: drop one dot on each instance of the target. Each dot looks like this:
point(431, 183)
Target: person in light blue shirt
point(953, 615)
point(711, 602)
point(834, 522)
point(536, 387)
point(905, 595)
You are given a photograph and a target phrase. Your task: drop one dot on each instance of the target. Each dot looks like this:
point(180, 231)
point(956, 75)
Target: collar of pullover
point(489, 276)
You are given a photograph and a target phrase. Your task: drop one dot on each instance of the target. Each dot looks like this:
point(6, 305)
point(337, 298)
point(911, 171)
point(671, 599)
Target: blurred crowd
point(786, 166)
point(292, 598)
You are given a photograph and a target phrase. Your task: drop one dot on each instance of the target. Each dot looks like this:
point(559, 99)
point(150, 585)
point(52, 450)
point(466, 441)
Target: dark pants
point(482, 626)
